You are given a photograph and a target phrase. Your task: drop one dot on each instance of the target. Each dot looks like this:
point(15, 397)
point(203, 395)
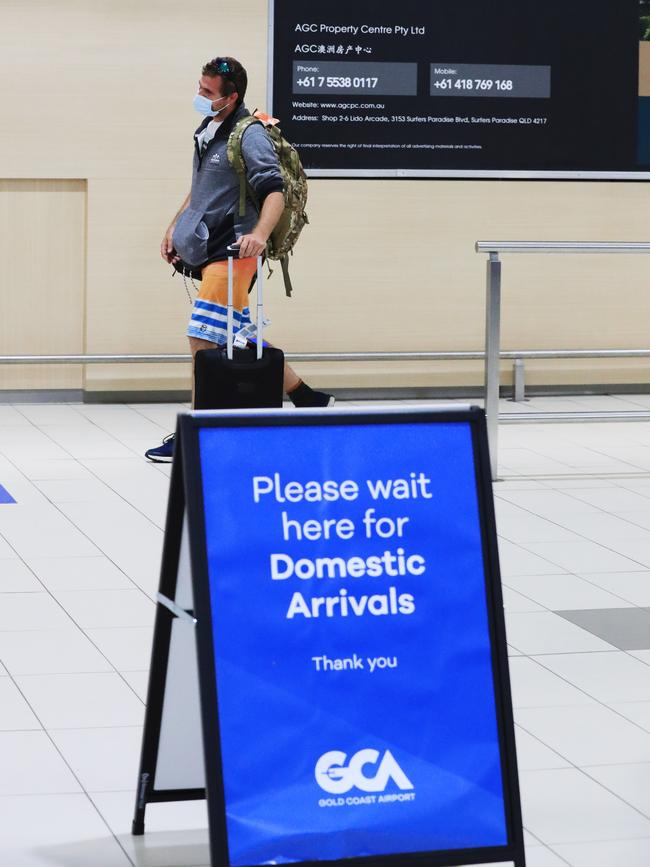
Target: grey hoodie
point(211, 221)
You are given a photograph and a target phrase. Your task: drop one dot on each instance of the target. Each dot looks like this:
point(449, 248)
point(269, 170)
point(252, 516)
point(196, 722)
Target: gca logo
point(334, 776)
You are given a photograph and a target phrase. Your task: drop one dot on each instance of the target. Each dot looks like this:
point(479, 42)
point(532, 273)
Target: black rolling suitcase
point(244, 376)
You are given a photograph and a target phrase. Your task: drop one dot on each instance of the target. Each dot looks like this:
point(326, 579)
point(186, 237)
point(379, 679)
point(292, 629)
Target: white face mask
point(204, 105)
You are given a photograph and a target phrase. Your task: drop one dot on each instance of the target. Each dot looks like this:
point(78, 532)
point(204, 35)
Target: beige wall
point(42, 238)
point(102, 91)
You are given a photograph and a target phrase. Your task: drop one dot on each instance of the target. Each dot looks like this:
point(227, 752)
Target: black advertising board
point(510, 88)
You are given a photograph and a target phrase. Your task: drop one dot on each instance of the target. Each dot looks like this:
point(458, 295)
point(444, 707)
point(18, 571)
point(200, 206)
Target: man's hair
point(233, 73)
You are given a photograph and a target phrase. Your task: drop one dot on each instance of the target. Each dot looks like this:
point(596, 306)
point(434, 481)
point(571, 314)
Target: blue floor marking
point(5, 496)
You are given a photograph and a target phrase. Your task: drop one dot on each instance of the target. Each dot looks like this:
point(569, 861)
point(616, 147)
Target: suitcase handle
point(259, 316)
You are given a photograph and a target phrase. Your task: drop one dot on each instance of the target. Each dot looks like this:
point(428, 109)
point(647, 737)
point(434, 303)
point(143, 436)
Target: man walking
point(209, 221)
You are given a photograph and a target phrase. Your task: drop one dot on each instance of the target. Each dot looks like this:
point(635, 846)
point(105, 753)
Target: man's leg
point(164, 453)
point(208, 323)
point(208, 330)
point(196, 344)
point(291, 379)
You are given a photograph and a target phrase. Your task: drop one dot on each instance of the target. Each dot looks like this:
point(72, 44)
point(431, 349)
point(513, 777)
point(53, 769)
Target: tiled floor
point(79, 558)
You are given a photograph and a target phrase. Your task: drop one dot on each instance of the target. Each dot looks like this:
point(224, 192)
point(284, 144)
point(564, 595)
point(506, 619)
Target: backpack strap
point(284, 264)
point(236, 158)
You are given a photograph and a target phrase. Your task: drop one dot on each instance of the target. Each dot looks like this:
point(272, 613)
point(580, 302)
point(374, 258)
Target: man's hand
point(167, 248)
point(255, 243)
point(251, 245)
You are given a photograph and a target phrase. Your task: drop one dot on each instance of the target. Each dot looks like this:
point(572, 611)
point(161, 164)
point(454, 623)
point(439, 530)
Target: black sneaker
point(304, 396)
point(164, 453)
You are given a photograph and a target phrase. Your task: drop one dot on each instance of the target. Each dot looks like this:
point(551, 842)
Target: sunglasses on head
point(222, 66)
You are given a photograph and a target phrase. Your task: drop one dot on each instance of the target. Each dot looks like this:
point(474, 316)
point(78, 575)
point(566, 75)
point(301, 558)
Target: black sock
point(302, 395)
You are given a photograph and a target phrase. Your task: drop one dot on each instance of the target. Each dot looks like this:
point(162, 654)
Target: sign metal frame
point(148, 791)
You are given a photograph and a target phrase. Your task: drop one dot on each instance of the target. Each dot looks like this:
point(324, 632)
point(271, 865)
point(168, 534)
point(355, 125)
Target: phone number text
point(473, 84)
point(338, 81)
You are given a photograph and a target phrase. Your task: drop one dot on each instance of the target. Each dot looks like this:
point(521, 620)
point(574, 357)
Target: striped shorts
point(209, 313)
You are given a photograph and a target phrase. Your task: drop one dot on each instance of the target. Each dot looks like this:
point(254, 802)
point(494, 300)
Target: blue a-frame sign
point(354, 691)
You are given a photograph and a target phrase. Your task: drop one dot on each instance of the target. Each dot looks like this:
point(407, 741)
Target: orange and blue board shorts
point(208, 320)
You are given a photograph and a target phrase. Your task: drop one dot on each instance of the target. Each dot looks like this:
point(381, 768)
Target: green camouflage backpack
point(284, 236)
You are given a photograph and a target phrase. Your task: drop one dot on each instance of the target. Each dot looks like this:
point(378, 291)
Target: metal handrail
point(493, 311)
point(460, 355)
point(92, 359)
point(562, 247)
